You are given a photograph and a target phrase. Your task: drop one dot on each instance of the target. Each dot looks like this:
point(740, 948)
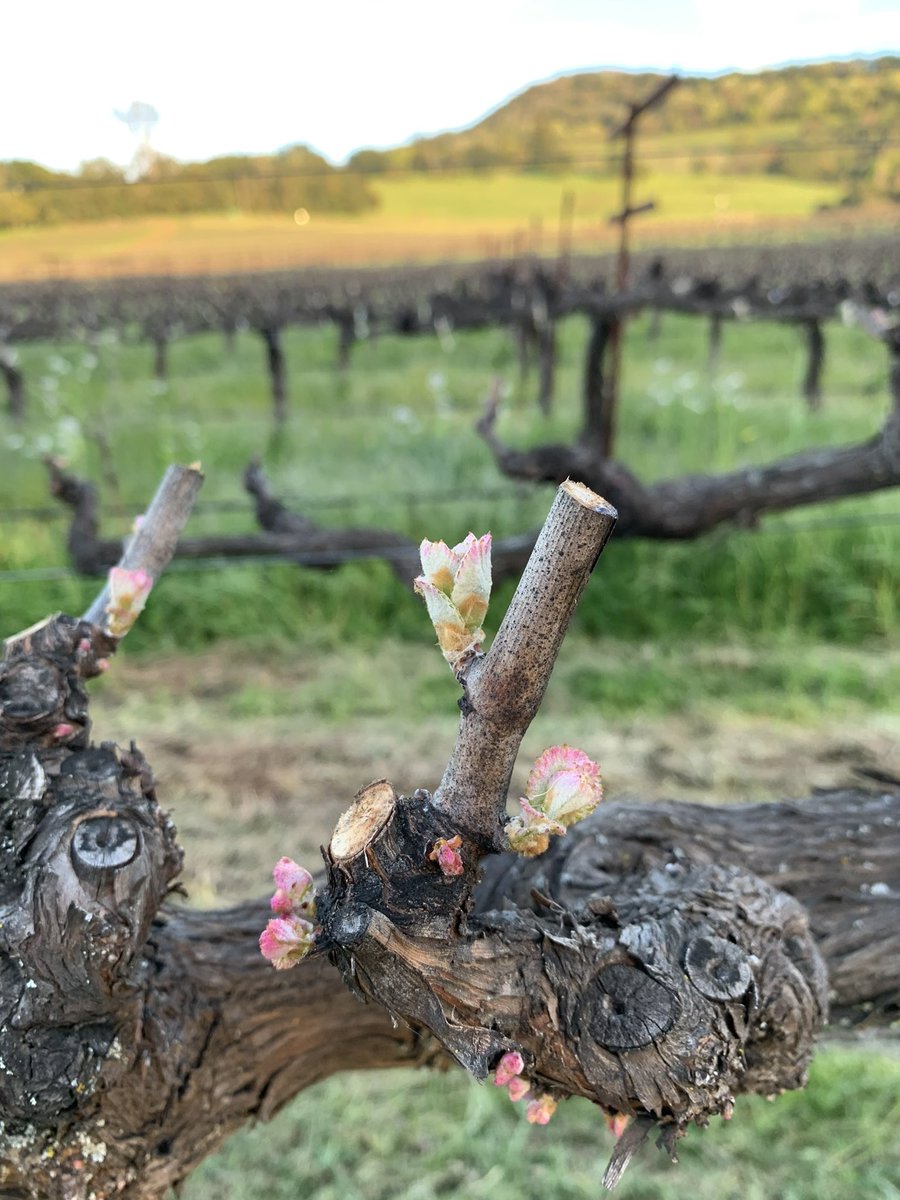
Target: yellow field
point(423, 218)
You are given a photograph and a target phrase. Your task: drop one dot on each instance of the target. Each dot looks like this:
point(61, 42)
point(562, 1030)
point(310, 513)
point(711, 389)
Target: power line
point(296, 500)
point(337, 557)
point(610, 160)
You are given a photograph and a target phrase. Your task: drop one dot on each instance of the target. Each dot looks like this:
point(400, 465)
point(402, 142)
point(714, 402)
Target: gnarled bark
point(661, 1000)
point(208, 1037)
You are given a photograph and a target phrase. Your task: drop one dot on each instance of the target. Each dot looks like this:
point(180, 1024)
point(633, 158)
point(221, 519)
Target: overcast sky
point(341, 74)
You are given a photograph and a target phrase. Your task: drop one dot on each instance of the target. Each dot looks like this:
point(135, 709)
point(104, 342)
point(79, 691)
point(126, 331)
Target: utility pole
point(564, 237)
point(628, 132)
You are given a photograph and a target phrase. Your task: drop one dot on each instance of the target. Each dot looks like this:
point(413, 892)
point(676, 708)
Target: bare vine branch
point(504, 689)
point(153, 545)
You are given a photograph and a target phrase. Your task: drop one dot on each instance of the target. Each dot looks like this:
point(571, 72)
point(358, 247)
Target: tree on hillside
point(369, 162)
point(658, 959)
point(545, 147)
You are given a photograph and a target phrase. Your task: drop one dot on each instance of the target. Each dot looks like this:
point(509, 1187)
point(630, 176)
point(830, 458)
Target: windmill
point(140, 119)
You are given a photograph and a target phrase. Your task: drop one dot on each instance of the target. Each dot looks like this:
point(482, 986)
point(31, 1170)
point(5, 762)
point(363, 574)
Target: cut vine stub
point(718, 968)
point(588, 498)
point(629, 1009)
point(103, 842)
point(360, 825)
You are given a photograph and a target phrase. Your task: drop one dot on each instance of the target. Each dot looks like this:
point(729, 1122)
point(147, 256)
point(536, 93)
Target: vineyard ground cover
point(741, 664)
point(430, 217)
point(422, 1137)
point(401, 422)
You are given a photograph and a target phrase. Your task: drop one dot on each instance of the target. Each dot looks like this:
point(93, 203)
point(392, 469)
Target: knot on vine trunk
point(86, 856)
point(626, 1008)
point(43, 699)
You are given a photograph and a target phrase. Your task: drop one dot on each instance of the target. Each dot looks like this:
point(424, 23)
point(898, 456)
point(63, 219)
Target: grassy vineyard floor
point(423, 1137)
point(259, 751)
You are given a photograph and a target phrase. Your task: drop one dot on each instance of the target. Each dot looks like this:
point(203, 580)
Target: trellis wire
point(338, 557)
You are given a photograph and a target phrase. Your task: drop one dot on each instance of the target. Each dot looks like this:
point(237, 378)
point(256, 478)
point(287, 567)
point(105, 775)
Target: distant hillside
point(835, 121)
point(825, 123)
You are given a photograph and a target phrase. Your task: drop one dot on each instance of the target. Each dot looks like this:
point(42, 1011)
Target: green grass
point(595, 678)
point(501, 196)
point(423, 1137)
point(400, 428)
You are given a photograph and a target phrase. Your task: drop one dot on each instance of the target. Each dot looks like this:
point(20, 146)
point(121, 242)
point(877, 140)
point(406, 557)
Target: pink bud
point(286, 940)
point(541, 1110)
point(509, 1066)
point(517, 1088)
point(290, 876)
point(282, 903)
point(617, 1123)
point(446, 854)
point(295, 892)
point(102, 664)
point(63, 730)
point(128, 592)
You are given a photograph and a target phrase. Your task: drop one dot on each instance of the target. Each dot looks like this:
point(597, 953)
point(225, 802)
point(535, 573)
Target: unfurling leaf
point(439, 564)
point(565, 784)
point(563, 787)
point(128, 592)
point(472, 585)
point(290, 936)
point(456, 587)
point(286, 940)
